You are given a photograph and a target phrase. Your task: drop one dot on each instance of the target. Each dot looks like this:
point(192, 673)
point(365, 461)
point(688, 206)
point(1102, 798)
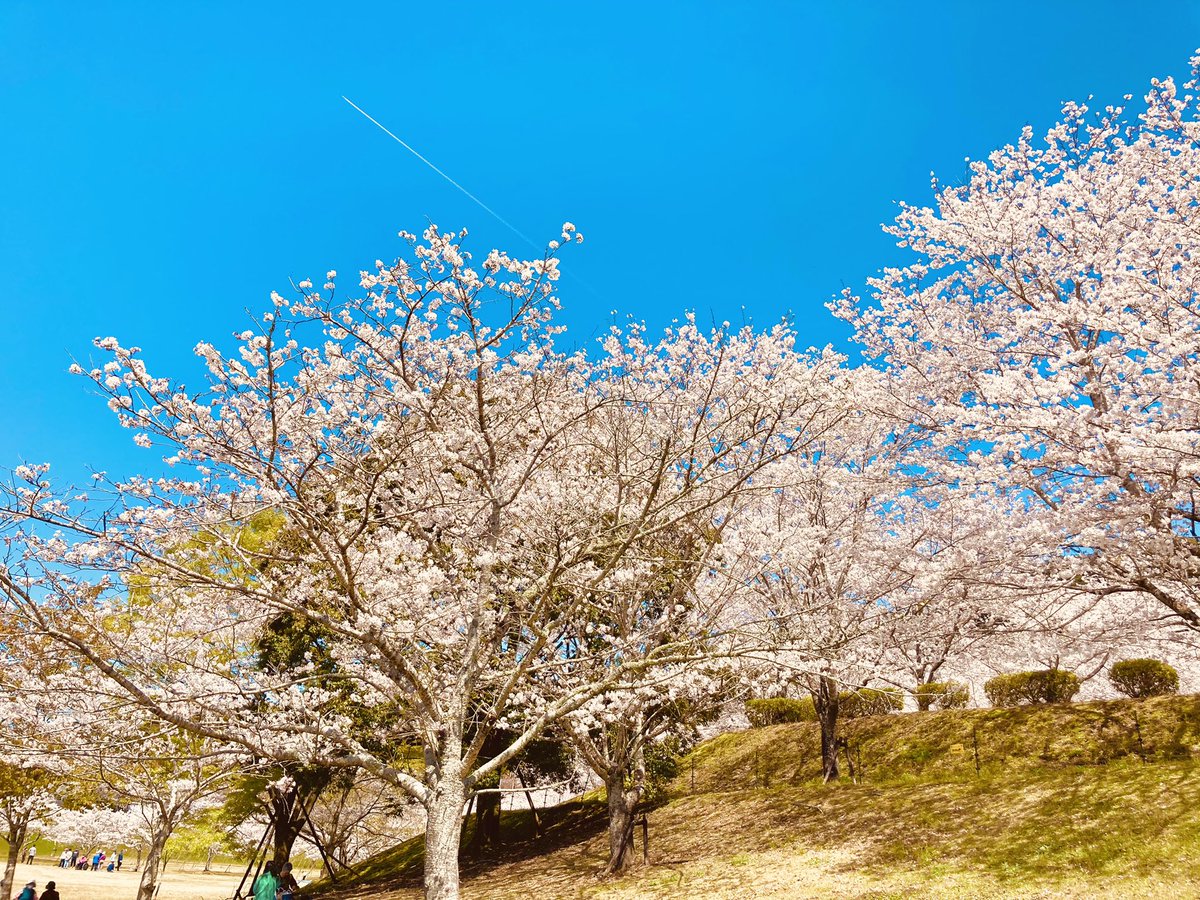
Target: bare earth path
point(123, 885)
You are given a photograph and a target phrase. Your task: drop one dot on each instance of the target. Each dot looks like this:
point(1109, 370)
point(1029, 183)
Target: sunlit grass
point(1065, 802)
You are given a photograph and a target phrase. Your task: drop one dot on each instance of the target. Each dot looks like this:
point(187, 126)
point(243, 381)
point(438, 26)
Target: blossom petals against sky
point(165, 166)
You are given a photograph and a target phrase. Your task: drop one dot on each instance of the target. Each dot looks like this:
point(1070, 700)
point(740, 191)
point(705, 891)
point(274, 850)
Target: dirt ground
point(123, 885)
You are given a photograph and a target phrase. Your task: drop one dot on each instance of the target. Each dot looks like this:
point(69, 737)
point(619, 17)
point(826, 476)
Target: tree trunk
point(487, 823)
point(443, 820)
point(286, 814)
point(288, 810)
point(924, 700)
point(825, 699)
point(16, 837)
point(150, 871)
point(622, 802)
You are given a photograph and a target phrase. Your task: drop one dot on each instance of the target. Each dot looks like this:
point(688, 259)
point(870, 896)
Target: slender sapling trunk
point(825, 699)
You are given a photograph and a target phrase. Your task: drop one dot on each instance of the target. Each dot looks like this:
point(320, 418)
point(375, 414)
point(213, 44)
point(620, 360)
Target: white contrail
point(410, 149)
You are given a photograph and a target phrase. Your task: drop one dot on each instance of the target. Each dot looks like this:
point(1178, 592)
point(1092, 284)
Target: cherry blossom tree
point(826, 553)
point(357, 816)
point(171, 779)
point(91, 828)
point(613, 732)
point(977, 583)
point(433, 461)
point(675, 587)
point(1049, 322)
point(864, 562)
point(33, 783)
point(68, 718)
point(27, 800)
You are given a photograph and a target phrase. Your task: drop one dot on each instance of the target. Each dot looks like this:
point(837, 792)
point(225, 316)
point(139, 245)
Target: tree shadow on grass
point(573, 823)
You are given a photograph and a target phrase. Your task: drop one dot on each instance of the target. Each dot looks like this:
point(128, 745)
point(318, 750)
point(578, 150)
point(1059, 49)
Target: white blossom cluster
point(413, 509)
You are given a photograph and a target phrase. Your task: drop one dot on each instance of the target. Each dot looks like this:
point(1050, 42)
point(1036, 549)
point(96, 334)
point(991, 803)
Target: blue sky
point(166, 165)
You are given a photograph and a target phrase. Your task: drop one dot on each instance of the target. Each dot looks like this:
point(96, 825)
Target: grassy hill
point(1096, 799)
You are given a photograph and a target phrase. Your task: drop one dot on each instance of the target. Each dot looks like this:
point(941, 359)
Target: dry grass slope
point(1078, 800)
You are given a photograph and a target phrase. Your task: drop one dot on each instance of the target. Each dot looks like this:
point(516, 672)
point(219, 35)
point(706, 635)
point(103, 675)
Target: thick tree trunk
point(288, 810)
point(622, 802)
point(443, 821)
point(16, 837)
point(825, 699)
point(286, 822)
point(153, 866)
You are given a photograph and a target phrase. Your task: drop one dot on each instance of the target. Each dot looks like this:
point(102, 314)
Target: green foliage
point(1043, 686)
point(662, 760)
point(24, 795)
point(942, 695)
point(851, 705)
point(780, 711)
point(869, 702)
point(545, 759)
point(1140, 678)
point(199, 839)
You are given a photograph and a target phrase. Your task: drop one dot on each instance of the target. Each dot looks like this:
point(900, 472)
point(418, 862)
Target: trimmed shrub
point(779, 711)
point(1140, 678)
point(851, 705)
point(942, 695)
point(662, 760)
point(1043, 686)
point(870, 702)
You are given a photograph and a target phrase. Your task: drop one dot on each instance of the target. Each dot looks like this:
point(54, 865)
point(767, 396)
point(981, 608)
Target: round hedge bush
point(780, 711)
point(1140, 678)
point(870, 702)
point(1043, 686)
point(942, 695)
point(851, 705)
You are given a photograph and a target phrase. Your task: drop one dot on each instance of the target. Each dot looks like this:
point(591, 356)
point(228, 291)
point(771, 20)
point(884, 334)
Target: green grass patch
point(1074, 800)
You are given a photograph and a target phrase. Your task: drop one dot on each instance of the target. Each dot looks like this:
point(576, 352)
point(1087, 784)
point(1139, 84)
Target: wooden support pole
point(537, 820)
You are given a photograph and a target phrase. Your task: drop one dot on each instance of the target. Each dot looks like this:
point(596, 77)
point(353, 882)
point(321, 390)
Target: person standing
point(96, 861)
point(63, 857)
point(120, 859)
point(32, 853)
point(50, 893)
point(74, 859)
